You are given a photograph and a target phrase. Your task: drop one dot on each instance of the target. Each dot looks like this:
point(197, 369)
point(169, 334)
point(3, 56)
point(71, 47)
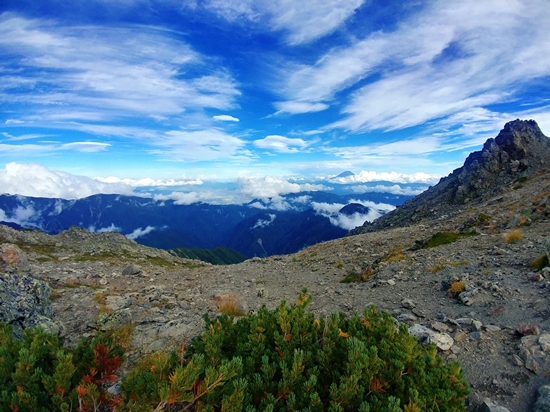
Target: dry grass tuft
point(539, 263)
point(456, 288)
point(123, 336)
point(513, 236)
point(436, 268)
point(101, 298)
point(362, 276)
point(230, 304)
point(394, 255)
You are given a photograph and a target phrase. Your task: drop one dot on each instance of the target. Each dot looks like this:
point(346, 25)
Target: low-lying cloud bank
point(267, 187)
point(393, 189)
point(268, 192)
point(22, 216)
point(372, 176)
point(38, 181)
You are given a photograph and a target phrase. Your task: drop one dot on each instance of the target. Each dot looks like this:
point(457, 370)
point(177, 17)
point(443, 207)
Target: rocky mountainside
point(519, 150)
point(471, 276)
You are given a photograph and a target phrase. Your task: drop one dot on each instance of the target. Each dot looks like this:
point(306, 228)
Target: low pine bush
point(287, 360)
point(280, 360)
point(37, 374)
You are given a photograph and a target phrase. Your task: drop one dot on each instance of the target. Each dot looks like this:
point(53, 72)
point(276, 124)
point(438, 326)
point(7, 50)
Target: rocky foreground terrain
point(478, 298)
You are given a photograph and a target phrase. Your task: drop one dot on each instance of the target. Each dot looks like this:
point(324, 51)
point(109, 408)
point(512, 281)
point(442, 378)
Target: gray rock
point(543, 399)
point(491, 328)
point(131, 270)
point(476, 325)
point(489, 406)
point(25, 303)
point(544, 342)
point(407, 317)
point(443, 341)
point(12, 259)
point(467, 297)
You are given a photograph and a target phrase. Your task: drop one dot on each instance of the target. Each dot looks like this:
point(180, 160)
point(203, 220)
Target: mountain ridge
point(519, 150)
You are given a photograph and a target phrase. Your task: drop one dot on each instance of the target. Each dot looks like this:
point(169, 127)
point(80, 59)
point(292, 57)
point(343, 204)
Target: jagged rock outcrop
point(519, 151)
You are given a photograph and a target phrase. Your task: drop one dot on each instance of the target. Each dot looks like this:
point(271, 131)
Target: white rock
point(443, 341)
point(544, 342)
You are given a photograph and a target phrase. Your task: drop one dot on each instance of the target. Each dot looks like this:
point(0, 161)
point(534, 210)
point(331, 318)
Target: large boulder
point(24, 300)
point(12, 259)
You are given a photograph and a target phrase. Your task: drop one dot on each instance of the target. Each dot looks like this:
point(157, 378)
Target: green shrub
point(362, 276)
point(540, 262)
point(37, 374)
point(443, 238)
point(281, 360)
point(287, 360)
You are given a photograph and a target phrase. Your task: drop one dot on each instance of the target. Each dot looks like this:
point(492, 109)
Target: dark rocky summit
point(520, 150)
point(352, 208)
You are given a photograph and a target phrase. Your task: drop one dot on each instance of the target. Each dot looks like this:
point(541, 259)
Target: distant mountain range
point(260, 228)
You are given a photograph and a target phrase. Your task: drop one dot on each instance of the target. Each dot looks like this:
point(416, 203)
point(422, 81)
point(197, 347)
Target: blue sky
point(262, 96)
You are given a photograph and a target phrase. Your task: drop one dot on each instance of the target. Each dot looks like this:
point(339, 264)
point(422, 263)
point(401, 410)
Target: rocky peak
point(519, 151)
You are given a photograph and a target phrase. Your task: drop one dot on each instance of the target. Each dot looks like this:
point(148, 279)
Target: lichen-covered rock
point(12, 259)
point(25, 302)
point(543, 399)
point(131, 270)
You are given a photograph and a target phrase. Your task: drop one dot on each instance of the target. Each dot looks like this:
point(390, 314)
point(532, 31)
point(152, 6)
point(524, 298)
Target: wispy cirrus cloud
point(281, 144)
point(301, 21)
point(200, 145)
point(105, 72)
point(446, 60)
point(48, 148)
point(296, 107)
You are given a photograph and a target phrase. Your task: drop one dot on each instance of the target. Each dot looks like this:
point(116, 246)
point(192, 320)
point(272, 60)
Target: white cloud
point(301, 199)
point(394, 189)
point(348, 222)
point(210, 144)
point(303, 21)
point(447, 59)
point(87, 147)
point(24, 216)
point(225, 118)
point(39, 181)
point(23, 136)
point(111, 228)
point(102, 72)
point(48, 147)
point(294, 107)
point(149, 182)
point(373, 176)
point(139, 232)
point(180, 198)
point(269, 187)
point(281, 144)
point(264, 222)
